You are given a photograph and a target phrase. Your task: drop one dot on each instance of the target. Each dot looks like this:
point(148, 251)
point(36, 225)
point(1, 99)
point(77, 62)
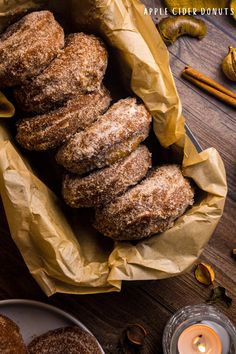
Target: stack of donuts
point(57, 82)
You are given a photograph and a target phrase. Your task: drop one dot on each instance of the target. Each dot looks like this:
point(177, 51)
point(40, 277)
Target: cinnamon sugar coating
point(113, 136)
point(70, 340)
point(148, 208)
point(28, 46)
point(103, 185)
point(78, 69)
point(50, 130)
point(11, 341)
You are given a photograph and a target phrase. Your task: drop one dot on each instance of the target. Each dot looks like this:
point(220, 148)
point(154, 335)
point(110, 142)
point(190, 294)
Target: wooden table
point(151, 303)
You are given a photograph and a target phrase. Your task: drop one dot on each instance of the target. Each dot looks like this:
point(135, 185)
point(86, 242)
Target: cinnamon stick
point(210, 86)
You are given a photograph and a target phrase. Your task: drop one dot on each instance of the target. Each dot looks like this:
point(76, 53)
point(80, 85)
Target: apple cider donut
point(103, 185)
point(78, 69)
point(66, 340)
point(51, 129)
point(113, 136)
point(28, 46)
point(11, 340)
point(148, 208)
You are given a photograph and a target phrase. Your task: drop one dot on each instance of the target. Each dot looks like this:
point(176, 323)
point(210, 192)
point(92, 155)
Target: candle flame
point(202, 348)
point(199, 344)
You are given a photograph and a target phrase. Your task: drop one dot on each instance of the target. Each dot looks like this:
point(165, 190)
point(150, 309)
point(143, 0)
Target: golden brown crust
point(11, 341)
point(148, 208)
point(68, 340)
point(101, 186)
point(78, 69)
point(28, 46)
point(114, 135)
point(51, 129)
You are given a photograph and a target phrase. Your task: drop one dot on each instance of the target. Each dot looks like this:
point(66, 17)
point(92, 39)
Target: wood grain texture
point(152, 303)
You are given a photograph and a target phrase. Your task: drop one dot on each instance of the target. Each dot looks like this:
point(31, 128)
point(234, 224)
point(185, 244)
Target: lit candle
point(199, 338)
point(223, 334)
point(199, 329)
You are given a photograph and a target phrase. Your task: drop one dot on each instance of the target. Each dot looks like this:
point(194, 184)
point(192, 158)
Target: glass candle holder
point(206, 318)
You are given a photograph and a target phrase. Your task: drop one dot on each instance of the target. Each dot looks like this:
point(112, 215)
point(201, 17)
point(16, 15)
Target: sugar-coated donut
point(148, 208)
point(28, 46)
point(51, 129)
point(78, 69)
point(113, 136)
point(103, 185)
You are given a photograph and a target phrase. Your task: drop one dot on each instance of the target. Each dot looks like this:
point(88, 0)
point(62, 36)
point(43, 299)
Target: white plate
point(35, 318)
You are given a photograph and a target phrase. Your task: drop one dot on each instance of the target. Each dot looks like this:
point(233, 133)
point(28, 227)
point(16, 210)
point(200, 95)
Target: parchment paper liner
point(61, 261)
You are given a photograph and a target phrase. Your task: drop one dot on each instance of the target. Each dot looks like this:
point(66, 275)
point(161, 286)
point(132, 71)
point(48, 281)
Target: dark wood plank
point(110, 313)
point(106, 315)
point(205, 55)
point(214, 125)
point(219, 128)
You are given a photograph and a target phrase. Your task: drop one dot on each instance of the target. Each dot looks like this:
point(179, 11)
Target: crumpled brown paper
point(62, 260)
